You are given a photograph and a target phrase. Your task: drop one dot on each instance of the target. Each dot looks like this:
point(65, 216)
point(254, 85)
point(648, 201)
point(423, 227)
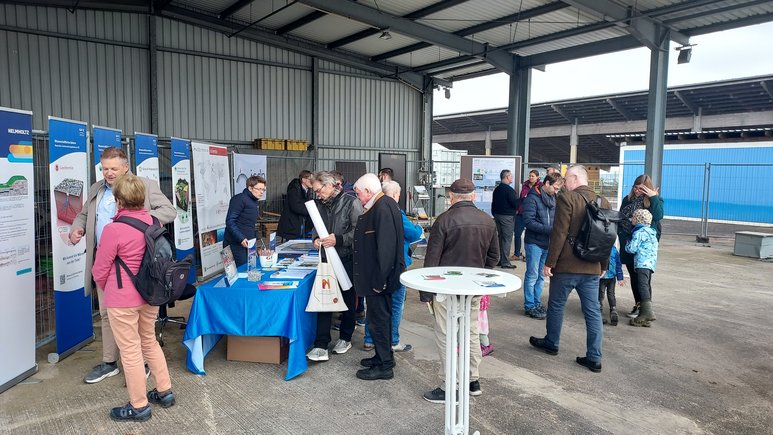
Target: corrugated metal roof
point(544, 27)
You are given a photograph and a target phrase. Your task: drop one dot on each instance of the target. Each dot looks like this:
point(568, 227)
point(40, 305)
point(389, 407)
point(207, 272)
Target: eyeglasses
point(259, 189)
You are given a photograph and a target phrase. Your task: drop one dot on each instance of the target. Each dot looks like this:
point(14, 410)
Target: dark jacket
point(625, 235)
point(504, 200)
point(525, 188)
point(570, 214)
point(462, 236)
point(340, 218)
point(294, 223)
point(538, 213)
point(241, 219)
point(378, 248)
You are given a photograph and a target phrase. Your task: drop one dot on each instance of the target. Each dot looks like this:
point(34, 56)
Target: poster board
point(245, 166)
point(17, 248)
point(103, 137)
point(484, 172)
point(210, 169)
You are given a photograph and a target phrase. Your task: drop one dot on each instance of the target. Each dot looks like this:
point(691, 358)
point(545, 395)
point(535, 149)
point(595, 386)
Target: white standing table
point(458, 291)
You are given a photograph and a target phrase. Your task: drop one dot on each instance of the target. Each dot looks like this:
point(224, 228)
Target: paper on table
point(332, 255)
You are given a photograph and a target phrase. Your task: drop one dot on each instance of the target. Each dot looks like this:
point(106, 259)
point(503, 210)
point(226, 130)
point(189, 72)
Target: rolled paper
point(332, 255)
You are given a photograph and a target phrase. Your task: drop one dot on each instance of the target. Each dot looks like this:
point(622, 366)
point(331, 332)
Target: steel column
point(518, 114)
point(656, 110)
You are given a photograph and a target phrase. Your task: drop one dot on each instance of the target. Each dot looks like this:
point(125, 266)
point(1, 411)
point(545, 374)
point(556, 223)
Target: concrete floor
point(706, 366)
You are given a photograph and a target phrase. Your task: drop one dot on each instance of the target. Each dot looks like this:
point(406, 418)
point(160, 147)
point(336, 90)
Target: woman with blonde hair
point(643, 195)
point(132, 319)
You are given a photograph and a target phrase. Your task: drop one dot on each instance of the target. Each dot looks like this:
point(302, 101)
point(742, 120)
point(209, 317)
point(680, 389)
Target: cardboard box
point(272, 350)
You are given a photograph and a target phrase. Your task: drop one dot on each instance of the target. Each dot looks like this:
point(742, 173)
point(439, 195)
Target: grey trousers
point(505, 227)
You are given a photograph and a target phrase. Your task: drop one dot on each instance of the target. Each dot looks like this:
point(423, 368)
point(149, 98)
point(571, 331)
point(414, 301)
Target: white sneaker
point(402, 347)
point(342, 346)
point(317, 354)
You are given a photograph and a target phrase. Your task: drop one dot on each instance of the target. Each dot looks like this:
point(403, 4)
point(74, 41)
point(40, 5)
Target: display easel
point(421, 203)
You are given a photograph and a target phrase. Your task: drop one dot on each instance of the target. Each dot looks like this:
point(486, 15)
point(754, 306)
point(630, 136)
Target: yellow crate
point(296, 145)
point(269, 144)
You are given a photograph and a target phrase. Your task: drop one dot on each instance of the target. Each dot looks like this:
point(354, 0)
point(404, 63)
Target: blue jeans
point(561, 284)
point(519, 227)
point(532, 281)
point(398, 300)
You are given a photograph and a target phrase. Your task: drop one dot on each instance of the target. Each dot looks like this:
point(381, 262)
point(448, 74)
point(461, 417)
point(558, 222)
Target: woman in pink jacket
point(132, 319)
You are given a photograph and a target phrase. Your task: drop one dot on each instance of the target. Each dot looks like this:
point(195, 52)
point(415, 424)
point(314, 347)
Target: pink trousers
point(134, 330)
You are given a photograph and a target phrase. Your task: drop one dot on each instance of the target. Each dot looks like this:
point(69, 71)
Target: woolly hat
point(641, 216)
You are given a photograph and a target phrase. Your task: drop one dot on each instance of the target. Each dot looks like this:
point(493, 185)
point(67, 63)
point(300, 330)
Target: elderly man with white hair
point(411, 234)
point(378, 263)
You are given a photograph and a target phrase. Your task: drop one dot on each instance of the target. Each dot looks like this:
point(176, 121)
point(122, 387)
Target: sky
point(730, 54)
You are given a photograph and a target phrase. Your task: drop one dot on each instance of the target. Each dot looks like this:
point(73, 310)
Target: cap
point(462, 185)
point(642, 216)
point(552, 165)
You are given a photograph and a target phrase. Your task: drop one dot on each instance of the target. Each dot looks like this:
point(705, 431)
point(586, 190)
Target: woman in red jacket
point(132, 319)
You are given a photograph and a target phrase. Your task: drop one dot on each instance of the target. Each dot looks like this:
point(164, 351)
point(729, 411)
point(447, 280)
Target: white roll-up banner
point(332, 255)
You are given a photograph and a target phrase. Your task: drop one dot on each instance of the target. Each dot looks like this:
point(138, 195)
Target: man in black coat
point(294, 222)
point(378, 263)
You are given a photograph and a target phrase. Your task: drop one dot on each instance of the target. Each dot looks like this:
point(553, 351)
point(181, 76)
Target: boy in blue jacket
point(607, 285)
point(644, 244)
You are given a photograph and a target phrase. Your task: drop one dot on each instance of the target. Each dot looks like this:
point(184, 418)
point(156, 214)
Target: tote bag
point(325, 293)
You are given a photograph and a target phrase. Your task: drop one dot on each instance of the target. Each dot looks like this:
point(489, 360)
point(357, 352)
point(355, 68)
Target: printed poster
point(210, 167)
point(17, 248)
point(68, 190)
point(485, 177)
point(146, 155)
point(245, 166)
point(181, 198)
point(104, 138)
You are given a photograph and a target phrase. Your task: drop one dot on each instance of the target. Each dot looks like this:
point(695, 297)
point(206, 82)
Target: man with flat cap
point(463, 236)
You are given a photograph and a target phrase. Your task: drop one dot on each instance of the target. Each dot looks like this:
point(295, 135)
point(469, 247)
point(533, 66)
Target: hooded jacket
point(538, 212)
point(644, 245)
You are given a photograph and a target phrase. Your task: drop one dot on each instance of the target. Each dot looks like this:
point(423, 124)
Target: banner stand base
point(54, 357)
point(19, 378)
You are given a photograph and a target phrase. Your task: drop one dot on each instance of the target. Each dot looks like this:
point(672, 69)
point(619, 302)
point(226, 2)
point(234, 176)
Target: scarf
point(636, 203)
point(330, 199)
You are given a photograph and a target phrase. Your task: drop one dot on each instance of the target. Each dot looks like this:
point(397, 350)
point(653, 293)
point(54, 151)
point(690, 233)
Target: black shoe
point(613, 319)
point(508, 266)
point(375, 373)
point(595, 367)
point(474, 388)
point(540, 343)
point(130, 413)
point(165, 400)
point(435, 396)
point(370, 362)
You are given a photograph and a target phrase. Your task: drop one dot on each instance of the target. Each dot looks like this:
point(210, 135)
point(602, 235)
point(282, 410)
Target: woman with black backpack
point(132, 318)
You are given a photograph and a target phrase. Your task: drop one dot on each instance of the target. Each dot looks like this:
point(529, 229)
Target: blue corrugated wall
point(739, 190)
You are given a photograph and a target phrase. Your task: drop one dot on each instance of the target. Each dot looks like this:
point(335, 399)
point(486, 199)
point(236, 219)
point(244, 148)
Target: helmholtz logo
point(18, 131)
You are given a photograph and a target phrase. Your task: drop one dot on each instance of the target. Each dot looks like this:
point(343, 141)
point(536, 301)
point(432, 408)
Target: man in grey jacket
point(98, 212)
point(463, 236)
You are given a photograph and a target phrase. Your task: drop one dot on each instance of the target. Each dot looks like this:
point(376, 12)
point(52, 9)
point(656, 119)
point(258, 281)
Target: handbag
point(325, 293)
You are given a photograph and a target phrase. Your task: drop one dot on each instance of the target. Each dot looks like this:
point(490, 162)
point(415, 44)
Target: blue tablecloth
point(244, 310)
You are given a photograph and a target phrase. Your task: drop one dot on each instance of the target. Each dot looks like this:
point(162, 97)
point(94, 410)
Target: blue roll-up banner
point(181, 194)
point(17, 248)
point(146, 155)
point(67, 143)
point(104, 138)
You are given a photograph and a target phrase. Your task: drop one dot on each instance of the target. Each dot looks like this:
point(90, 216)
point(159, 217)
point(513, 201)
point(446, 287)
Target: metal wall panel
point(368, 113)
point(327, 157)
point(174, 35)
point(87, 81)
point(225, 100)
point(332, 67)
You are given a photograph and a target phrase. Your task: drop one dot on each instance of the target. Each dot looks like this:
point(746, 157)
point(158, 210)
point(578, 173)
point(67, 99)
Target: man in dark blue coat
point(504, 203)
point(243, 214)
point(378, 263)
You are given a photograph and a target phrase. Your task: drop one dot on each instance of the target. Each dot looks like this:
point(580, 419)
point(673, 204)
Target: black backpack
point(161, 279)
point(597, 234)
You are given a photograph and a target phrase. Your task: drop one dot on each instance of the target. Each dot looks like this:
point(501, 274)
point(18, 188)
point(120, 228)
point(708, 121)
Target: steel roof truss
point(647, 30)
point(373, 17)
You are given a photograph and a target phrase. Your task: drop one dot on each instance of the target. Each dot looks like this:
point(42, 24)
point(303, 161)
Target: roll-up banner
point(245, 166)
point(68, 172)
point(17, 248)
point(181, 197)
point(104, 138)
point(146, 155)
point(210, 167)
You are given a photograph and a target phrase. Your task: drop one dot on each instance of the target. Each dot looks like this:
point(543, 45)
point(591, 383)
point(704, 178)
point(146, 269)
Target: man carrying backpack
point(568, 271)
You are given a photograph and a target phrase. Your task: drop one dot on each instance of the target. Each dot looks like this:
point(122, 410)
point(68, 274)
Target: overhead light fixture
point(685, 53)
point(385, 35)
